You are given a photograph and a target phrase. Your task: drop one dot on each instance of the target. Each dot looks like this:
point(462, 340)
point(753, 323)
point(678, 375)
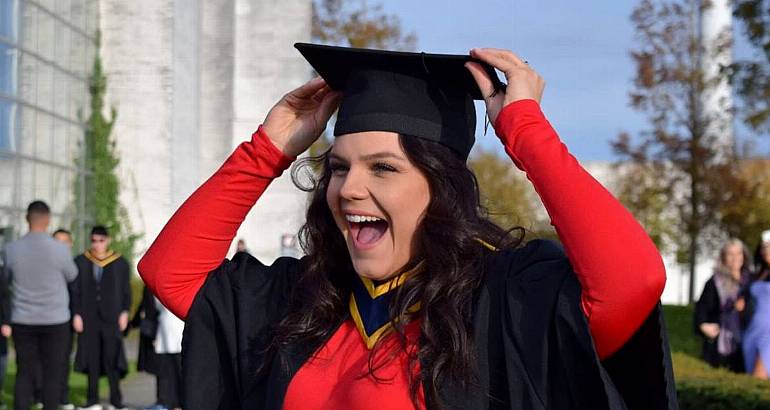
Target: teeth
point(361, 218)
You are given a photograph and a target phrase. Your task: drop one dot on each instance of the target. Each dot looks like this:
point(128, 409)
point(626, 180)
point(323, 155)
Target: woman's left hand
point(740, 304)
point(523, 82)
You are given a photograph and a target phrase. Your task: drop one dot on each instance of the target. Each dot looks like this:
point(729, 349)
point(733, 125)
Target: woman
point(718, 312)
point(160, 347)
point(756, 343)
point(146, 320)
point(168, 350)
point(409, 297)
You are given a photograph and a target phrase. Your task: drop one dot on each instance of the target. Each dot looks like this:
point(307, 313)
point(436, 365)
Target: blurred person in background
point(160, 350)
point(756, 343)
point(38, 269)
point(168, 347)
point(64, 236)
point(101, 298)
point(241, 246)
point(5, 307)
point(718, 311)
point(146, 320)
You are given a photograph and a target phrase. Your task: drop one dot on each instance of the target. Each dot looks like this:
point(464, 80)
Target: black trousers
point(107, 351)
point(65, 380)
point(170, 380)
point(37, 346)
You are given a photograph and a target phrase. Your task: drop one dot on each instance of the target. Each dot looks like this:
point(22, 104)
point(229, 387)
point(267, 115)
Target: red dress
point(601, 238)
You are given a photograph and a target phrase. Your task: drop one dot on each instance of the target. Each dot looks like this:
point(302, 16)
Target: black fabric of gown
point(532, 339)
point(147, 359)
point(100, 304)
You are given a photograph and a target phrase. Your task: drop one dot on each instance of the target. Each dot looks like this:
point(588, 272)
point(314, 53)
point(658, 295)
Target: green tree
point(746, 210)
point(682, 151)
point(752, 75)
point(99, 196)
point(507, 195)
point(640, 190)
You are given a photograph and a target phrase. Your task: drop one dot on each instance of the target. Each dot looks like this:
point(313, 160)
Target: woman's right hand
point(710, 330)
point(299, 118)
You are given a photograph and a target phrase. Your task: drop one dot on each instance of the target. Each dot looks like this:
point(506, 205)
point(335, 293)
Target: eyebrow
point(377, 155)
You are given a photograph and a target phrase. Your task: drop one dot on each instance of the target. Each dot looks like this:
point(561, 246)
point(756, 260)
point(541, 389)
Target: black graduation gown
point(533, 344)
point(146, 360)
point(100, 304)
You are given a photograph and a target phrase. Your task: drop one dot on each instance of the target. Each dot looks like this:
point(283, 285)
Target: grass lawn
point(78, 385)
point(681, 330)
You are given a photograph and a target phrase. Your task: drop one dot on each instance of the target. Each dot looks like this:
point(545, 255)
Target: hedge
point(701, 387)
point(698, 385)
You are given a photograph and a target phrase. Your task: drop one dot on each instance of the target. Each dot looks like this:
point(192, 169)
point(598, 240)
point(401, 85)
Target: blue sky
point(579, 47)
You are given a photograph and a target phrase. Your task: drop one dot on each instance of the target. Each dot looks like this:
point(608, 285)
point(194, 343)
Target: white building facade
point(191, 79)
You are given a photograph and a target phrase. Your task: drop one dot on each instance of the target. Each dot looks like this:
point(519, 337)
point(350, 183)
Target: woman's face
point(733, 257)
point(378, 199)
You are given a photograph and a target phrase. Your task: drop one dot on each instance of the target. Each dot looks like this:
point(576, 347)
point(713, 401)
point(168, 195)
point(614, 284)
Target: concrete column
point(266, 66)
point(716, 40)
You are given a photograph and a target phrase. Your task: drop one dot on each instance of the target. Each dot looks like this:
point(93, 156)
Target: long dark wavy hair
point(445, 285)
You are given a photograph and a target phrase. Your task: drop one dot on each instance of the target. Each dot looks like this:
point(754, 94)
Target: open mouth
point(366, 230)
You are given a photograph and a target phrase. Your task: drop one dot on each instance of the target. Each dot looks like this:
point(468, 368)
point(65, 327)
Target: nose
point(354, 185)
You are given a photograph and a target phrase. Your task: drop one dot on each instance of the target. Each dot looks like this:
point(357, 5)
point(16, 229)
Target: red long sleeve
point(617, 264)
point(197, 237)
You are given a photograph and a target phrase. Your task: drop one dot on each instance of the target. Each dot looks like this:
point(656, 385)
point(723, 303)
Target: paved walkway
point(139, 388)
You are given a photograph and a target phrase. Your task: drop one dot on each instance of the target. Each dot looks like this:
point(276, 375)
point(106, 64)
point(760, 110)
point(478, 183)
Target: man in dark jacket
point(101, 298)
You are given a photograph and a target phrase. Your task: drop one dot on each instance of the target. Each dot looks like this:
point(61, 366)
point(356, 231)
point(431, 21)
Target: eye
point(338, 168)
point(383, 167)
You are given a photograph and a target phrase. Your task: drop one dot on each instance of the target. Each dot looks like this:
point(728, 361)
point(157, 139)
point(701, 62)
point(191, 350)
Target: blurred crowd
point(51, 303)
point(733, 312)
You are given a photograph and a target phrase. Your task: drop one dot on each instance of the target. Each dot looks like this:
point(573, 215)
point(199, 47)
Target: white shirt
point(170, 329)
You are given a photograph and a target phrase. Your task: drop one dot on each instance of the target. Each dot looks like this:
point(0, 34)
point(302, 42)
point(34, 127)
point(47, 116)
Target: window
point(29, 26)
point(8, 125)
point(7, 182)
point(62, 49)
point(44, 133)
point(7, 69)
point(45, 35)
point(45, 85)
point(9, 11)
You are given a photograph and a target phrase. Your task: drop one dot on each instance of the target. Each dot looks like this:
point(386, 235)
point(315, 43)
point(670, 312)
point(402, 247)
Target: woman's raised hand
point(299, 118)
point(523, 82)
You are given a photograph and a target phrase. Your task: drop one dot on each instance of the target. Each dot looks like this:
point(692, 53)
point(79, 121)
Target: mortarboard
point(428, 96)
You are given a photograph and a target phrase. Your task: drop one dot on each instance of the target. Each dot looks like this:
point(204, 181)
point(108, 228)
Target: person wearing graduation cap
point(408, 295)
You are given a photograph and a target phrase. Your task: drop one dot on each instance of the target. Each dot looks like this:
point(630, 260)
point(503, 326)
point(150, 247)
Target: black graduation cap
point(424, 95)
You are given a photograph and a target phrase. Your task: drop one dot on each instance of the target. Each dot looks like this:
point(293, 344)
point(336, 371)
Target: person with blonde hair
point(719, 309)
